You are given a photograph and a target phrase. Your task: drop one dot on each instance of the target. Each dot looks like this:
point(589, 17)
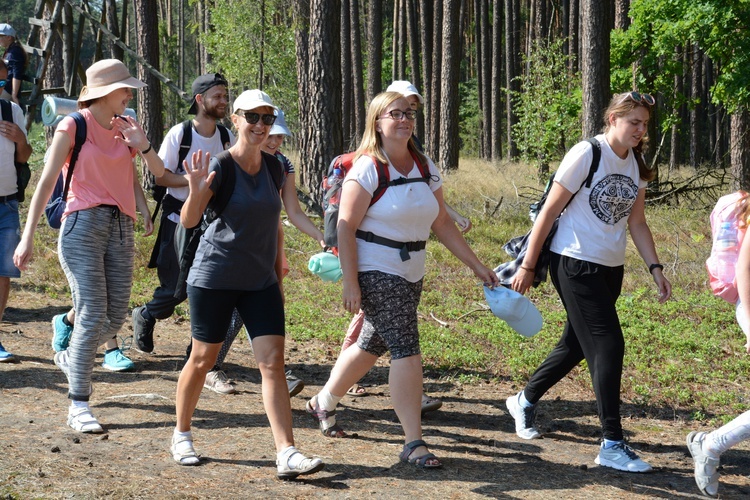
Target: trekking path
point(472, 434)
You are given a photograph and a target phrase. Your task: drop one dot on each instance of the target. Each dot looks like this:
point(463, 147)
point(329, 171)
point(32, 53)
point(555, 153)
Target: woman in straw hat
point(95, 245)
point(237, 266)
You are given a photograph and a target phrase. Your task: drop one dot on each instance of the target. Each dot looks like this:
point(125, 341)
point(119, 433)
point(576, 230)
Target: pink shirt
point(103, 174)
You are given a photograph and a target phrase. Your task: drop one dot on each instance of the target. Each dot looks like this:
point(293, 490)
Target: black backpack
point(23, 172)
point(186, 239)
point(58, 200)
point(158, 192)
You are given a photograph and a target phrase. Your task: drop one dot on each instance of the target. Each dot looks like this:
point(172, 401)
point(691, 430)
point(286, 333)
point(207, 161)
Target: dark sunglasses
point(647, 99)
point(252, 118)
point(397, 114)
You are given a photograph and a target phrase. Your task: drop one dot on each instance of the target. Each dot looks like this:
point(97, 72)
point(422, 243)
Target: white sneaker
point(621, 457)
point(183, 451)
point(524, 418)
point(303, 467)
point(706, 474)
point(82, 420)
point(218, 381)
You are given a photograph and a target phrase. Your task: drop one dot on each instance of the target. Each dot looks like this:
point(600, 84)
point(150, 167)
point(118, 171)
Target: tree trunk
point(149, 98)
point(427, 29)
point(116, 50)
point(450, 66)
point(696, 94)
point(595, 64)
point(574, 24)
point(55, 74)
point(374, 48)
point(301, 16)
point(358, 102)
point(622, 17)
point(740, 148)
point(484, 76)
point(323, 97)
point(675, 148)
point(512, 67)
point(346, 76)
point(415, 76)
point(433, 131)
point(496, 97)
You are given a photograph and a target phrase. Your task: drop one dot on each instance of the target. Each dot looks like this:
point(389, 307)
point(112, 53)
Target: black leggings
point(592, 331)
point(262, 312)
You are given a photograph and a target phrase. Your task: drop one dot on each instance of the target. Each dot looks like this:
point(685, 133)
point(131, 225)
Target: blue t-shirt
point(15, 60)
point(238, 250)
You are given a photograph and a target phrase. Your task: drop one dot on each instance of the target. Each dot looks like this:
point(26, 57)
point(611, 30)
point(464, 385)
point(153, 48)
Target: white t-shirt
point(404, 213)
point(8, 183)
point(170, 153)
point(593, 227)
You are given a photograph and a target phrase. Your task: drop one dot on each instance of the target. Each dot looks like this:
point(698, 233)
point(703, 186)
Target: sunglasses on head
point(252, 118)
point(646, 99)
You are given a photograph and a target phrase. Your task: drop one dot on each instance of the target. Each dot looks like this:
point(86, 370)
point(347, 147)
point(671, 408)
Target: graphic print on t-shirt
point(612, 198)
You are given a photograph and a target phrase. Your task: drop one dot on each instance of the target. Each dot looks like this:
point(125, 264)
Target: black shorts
point(261, 311)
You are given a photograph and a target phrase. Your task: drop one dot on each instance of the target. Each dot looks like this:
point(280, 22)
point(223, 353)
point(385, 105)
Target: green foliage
point(548, 105)
point(470, 118)
point(241, 34)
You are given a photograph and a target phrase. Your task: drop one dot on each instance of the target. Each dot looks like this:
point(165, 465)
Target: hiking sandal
point(184, 455)
point(304, 467)
point(333, 431)
point(420, 462)
point(357, 391)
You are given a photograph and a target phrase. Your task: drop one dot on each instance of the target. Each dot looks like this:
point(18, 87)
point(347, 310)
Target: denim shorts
point(10, 236)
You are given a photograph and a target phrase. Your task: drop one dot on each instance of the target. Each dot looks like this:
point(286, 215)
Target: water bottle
point(333, 185)
point(726, 250)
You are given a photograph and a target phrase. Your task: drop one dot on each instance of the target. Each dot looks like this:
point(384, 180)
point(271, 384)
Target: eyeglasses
point(646, 99)
point(399, 115)
point(252, 118)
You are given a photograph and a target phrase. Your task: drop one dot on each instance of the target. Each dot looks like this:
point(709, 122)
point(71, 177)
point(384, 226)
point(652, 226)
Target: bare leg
point(405, 380)
point(352, 365)
point(4, 292)
point(269, 355)
point(190, 384)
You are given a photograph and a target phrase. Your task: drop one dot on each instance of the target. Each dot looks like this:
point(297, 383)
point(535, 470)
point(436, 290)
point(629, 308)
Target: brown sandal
point(334, 431)
point(357, 391)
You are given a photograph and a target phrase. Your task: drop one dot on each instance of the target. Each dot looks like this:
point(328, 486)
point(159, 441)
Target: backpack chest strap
point(404, 247)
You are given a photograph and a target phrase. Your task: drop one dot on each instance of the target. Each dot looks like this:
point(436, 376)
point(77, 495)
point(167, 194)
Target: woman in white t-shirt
point(586, 267)
point(381, 247)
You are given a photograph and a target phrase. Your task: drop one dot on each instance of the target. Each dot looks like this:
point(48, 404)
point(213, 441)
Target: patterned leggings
point(729, 435)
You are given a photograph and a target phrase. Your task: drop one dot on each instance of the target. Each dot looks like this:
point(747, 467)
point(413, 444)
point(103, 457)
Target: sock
point(291, 456)
point(523, 401)
point(79, 404)
point(327, 401)
point(608, 443)
point(65, 320)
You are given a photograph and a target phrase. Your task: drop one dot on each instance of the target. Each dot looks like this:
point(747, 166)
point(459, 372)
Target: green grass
point(685, 356)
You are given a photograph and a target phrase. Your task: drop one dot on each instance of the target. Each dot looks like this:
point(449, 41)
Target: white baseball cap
point(515, 309)
point(279, 126)
point(251, 99)
point(405, 88)
point(7, 29)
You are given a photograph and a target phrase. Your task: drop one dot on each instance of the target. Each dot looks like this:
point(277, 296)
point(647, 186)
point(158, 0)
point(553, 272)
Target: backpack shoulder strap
point(186, 142)
point(384, 179)
point(424, 169)
point(224, 133)
point(219, 201)
point(596, 149)
point(275, 168)
point(81, 131)
point(7, 110)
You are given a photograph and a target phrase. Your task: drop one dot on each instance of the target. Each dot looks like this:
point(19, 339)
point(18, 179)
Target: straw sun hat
point(107, 75)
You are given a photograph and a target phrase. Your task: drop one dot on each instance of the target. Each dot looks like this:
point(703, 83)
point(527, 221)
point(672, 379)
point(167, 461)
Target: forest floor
point(472, 434)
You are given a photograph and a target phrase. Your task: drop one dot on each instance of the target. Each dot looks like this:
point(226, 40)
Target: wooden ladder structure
point(54, 29)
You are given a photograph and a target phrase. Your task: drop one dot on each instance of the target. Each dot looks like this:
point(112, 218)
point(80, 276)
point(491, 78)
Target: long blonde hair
point(619, 106)
point(371, 143)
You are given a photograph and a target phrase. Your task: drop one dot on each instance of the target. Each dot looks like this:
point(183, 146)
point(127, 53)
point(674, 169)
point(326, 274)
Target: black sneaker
point(143, 331)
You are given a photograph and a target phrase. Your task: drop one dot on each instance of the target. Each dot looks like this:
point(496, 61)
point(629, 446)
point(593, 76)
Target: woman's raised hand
point(131, 132)
point(196, 172)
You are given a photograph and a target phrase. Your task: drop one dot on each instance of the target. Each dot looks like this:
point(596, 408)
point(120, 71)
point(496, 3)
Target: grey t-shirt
point(238, 250)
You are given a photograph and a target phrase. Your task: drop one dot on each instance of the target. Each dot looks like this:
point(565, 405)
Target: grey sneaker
point(706, 474)
point(304, 467)
point(143, 331)
point(621, 457)
point(218, 381)
point(294, 384)
point(524, 418)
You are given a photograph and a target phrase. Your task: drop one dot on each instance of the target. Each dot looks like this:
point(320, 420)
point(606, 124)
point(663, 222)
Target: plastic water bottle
point(726, 250)
point(334, 182)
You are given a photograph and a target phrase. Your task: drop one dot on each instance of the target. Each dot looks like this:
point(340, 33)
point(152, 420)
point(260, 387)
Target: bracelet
point(655, 266)
point(529, 269)
point(147, 150)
